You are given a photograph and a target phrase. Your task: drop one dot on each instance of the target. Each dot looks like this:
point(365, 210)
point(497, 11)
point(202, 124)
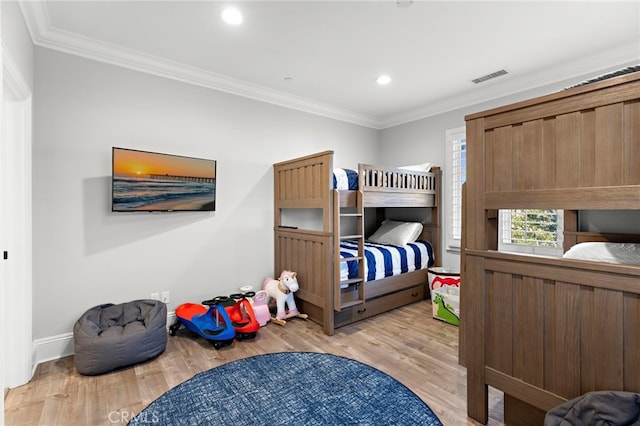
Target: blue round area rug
point(289, 388)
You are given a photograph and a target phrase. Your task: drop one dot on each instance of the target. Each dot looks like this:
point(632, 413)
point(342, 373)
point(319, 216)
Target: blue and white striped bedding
point(345, 179)
point(385, 260)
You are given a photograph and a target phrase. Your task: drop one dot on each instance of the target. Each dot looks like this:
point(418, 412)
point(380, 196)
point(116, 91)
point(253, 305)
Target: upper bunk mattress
point(623, 253)
point(385, 260)
point(345, 179)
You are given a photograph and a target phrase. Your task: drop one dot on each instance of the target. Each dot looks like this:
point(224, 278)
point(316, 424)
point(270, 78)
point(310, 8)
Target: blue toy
point(212, 323)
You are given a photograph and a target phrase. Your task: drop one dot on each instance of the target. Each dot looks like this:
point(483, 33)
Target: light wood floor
point(406, 343)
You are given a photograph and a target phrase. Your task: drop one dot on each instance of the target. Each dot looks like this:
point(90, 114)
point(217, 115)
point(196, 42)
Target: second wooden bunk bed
point(541, 329)
point(307, 183)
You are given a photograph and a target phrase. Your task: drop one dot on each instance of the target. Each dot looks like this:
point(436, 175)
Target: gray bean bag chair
point(111, 336)
point(601, 408)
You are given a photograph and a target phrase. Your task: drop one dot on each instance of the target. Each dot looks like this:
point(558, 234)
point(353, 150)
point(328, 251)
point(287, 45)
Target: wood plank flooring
point(406, 343)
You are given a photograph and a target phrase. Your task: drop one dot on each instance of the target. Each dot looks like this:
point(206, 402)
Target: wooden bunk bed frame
point(545, 330)
point(307, 183)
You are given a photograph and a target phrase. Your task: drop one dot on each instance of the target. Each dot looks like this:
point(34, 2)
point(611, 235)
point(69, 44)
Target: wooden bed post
point(472, 276)
point(570, 227)
point(462, 337)
point(436, 217)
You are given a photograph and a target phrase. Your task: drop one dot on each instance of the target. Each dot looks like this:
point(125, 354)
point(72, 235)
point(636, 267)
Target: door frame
point(17, 318)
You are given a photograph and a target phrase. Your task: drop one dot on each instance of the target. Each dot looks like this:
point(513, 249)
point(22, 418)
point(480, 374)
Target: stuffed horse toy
point(282, 291)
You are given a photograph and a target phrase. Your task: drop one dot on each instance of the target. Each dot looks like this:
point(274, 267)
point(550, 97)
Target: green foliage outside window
point(534, 227)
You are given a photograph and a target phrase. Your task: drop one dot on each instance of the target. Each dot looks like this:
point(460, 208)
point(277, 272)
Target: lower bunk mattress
point(385, 260)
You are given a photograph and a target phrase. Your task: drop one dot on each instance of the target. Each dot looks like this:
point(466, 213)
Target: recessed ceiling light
point(383, 79)
point(404, 3)
point(232, 16)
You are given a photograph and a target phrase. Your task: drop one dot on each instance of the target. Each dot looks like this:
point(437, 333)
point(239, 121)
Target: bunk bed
point(547, 329)
point(318, 255)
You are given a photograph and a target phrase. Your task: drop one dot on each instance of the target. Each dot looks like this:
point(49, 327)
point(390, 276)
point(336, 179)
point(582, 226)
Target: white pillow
point(396, 233)
point(624, 253)
point(424, 167)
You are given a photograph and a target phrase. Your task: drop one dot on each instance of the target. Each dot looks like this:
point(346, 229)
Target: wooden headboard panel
point(583, 237)
point(575, 149)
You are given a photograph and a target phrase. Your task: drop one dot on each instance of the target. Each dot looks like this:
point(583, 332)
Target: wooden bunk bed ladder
point(354, 293)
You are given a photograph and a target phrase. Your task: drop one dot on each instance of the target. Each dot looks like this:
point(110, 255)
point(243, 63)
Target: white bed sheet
point(623, 253)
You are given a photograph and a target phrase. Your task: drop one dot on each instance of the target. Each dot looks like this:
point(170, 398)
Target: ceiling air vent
point(489, 76)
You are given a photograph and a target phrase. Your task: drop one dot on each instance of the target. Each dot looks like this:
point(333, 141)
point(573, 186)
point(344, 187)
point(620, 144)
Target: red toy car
point(243, 319)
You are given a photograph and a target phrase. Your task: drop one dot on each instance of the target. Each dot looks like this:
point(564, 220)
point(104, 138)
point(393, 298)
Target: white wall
point(86, 255)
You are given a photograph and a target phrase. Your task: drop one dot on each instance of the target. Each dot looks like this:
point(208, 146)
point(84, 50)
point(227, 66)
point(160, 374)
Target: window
point(531, 231)
point(456, 176)
point(525, 231)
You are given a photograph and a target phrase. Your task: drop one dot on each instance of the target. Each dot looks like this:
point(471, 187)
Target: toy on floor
point(443, 310)
point(242, 316)
point(282, 291)
point(212, 323)
point(261, 307)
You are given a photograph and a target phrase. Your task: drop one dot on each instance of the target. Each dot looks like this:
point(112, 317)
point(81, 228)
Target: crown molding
point(559, 75)
point(14, 82)
point(45, 35)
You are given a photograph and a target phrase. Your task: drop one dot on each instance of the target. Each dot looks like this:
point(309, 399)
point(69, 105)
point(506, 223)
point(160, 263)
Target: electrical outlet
point(155, 296)
point(165, 297)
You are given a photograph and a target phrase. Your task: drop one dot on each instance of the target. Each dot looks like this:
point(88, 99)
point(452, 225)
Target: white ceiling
point(323, 56)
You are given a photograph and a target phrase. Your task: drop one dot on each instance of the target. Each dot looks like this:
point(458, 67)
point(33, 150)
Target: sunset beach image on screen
point(151, 181)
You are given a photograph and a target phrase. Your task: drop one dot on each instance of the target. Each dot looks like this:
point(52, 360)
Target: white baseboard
point(171, 318)
point(60, 346)
point(54, 347)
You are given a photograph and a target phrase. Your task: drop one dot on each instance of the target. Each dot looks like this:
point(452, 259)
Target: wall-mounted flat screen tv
point(151, 181)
